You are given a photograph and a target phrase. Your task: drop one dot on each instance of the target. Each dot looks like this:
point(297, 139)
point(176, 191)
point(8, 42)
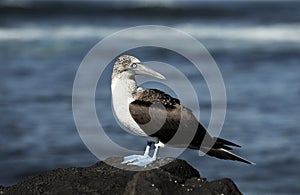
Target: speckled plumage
point(154, 95)
point(123, 63)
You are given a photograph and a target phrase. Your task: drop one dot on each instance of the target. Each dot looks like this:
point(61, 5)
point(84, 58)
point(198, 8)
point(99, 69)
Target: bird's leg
point(148, 147)
point(135, 157)
point(148, 160)
point(157, 145)
point(143, 160)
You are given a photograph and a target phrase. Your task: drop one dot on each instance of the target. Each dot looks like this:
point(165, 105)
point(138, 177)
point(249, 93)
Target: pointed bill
point(142, 69)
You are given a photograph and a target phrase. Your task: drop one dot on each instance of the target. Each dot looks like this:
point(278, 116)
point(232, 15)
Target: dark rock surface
point(176, 177)
point(2, 189)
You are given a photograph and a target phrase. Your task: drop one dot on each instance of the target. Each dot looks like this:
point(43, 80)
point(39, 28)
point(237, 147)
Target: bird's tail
point(226, 155)
point(220, 150)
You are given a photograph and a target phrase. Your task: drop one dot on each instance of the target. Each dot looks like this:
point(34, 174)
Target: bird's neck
point(123, 86)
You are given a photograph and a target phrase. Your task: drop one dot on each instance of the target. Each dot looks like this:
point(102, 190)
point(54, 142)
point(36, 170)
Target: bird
point(158, 116)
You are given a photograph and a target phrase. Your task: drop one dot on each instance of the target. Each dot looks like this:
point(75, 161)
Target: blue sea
point(256, 45)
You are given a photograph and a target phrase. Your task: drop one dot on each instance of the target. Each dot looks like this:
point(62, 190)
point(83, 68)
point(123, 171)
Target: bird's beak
point(142, 69)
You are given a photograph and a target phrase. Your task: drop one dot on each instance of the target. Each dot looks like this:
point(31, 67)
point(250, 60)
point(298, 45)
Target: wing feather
point(161, 116)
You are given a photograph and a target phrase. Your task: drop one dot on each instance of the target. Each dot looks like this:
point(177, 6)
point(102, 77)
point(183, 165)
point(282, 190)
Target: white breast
point(122, 90)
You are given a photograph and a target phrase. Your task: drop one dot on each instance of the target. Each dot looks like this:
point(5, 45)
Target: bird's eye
point(134, 65)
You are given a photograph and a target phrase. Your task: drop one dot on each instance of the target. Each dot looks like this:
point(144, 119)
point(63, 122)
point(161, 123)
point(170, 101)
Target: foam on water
point(252, 33)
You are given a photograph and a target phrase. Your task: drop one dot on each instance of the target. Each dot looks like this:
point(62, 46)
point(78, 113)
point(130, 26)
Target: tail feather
point(226, 155)
point(220, 150)
point(226, 142)
point(215, 146)
point(222, 143)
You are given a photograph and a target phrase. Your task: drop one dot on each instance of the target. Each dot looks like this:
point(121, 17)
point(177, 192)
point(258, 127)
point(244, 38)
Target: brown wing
point(162, 116)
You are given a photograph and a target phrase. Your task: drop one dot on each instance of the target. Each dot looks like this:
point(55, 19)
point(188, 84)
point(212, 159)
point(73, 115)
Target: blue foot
point(138, 160)
point(131, 158)
point(142, 160)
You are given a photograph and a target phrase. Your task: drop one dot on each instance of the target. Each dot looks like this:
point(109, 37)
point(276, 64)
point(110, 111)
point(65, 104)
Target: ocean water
point(255, 44)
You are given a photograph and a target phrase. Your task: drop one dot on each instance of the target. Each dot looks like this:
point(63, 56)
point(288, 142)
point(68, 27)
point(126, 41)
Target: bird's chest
point(121, 98)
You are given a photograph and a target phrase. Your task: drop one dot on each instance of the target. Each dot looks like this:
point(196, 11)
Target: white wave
point(28, 33)
point(272, 33)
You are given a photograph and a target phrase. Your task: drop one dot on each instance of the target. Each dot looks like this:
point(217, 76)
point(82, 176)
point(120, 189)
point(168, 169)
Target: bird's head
point(131, 66)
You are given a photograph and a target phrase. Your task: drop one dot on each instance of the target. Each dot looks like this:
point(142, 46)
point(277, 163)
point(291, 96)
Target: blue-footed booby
point(157, 115)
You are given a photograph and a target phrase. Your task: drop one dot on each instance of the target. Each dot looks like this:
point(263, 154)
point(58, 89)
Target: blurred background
point(255, 43)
